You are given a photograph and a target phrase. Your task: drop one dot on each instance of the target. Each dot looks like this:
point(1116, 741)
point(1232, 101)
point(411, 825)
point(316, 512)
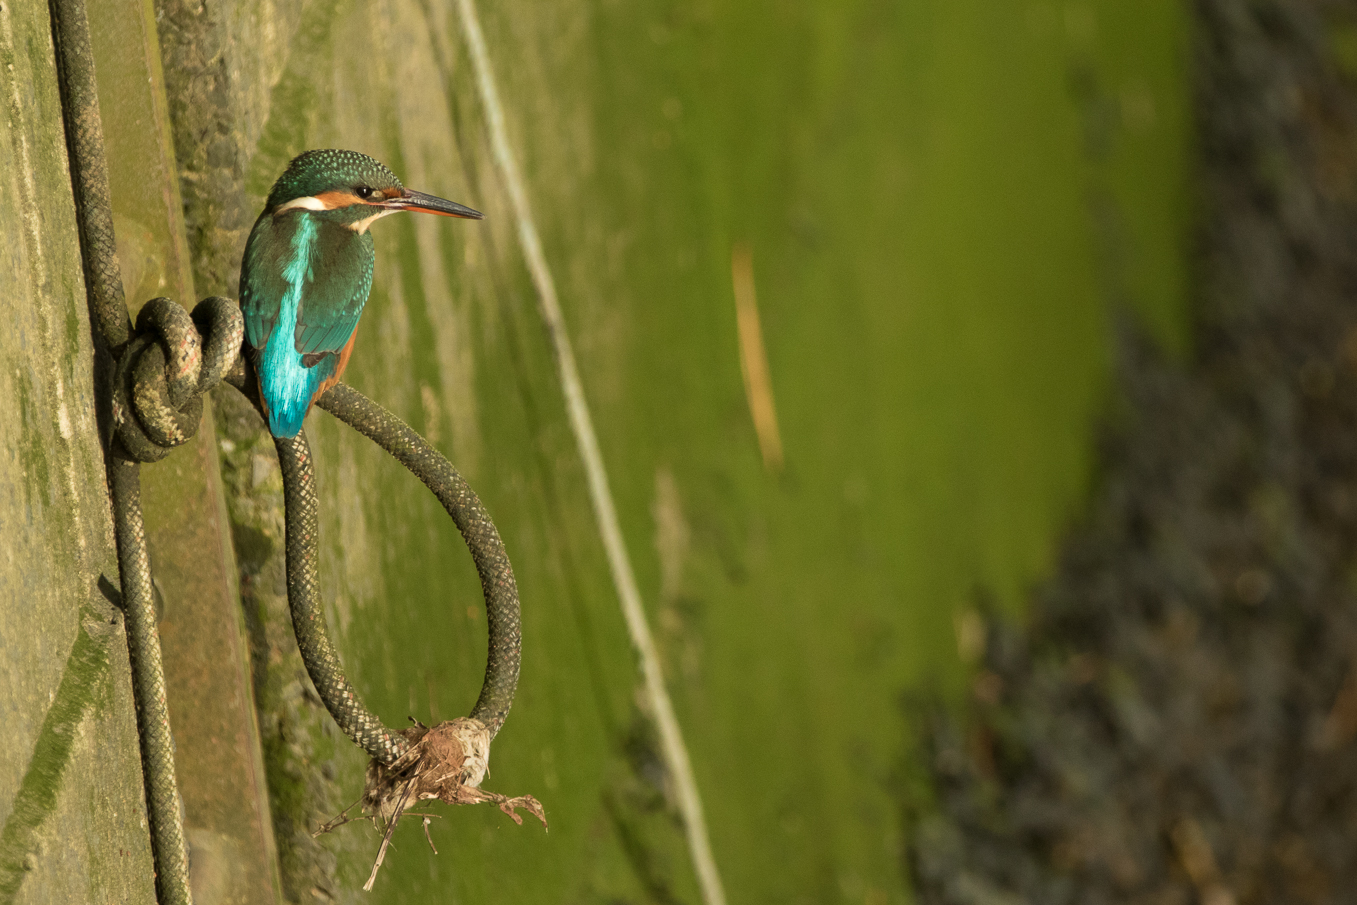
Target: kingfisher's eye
point(363, 191)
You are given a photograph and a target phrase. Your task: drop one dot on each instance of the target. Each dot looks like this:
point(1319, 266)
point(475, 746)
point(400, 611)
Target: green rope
point(468, 513)
point(478, 530)
point(155, 376)
point(148, 687)
point(103, 286)
point(308, 617)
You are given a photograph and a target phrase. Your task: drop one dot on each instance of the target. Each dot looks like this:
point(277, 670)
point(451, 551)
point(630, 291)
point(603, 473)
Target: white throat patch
point(361, 226)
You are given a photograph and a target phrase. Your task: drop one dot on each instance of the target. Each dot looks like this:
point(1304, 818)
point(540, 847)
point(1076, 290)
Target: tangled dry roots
point(446, 762)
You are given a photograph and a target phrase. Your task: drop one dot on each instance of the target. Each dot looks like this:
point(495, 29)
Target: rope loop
point(173, 358)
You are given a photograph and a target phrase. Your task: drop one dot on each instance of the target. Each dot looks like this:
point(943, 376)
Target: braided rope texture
point(148, 687)
point(308, 617)
point(504, 655)
point(103, 286)
point(473, 521)
point(160, 372)
point(172, 360)
point(89, 171)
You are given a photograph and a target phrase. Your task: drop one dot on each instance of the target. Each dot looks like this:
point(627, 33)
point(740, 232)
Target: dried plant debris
point(447, 763)
point(1177, 723)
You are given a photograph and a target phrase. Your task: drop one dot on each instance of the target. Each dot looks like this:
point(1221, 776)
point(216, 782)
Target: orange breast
point(340, 365)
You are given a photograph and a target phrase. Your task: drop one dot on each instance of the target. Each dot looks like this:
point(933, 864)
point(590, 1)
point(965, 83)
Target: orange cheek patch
point(332, 200)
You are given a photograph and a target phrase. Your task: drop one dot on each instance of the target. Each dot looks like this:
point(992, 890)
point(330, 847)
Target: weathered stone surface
point(72, 819)
point(218, 761)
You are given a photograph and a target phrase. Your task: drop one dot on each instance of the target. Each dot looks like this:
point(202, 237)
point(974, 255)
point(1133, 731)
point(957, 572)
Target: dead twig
point(448, 763)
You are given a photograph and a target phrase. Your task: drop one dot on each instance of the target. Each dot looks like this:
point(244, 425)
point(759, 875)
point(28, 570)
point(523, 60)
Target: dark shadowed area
point(1176, 720)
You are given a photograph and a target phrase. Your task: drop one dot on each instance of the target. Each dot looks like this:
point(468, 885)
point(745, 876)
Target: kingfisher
point(307, 273)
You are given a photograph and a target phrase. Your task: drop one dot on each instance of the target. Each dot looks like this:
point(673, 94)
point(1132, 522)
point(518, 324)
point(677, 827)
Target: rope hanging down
point(156, 376)
point(103, 285)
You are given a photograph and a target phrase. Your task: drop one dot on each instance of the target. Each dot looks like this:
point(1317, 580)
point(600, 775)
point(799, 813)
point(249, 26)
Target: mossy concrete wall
point(220, 770)
point(70, 773)
point(914, 183)
point(914, 180)
point(72, 817)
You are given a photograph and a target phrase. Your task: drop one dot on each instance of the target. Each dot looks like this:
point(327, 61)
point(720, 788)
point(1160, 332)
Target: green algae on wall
point(226, 820)
point(70, 772)
point(915, 181)
point(85, 673)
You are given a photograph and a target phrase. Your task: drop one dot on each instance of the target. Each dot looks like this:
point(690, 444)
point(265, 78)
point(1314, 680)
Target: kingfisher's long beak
point(430, 204)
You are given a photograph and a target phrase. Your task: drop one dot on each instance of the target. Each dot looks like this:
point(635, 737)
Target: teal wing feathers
point(261, 280)
point(333, 302)
point(303, 285)
point(337, 279)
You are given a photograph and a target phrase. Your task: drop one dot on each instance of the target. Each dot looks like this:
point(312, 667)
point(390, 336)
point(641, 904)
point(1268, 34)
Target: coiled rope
point(482, 539)
point(478, 530)
point(155, 377)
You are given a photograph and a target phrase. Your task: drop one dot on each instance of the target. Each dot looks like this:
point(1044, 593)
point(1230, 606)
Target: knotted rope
point(156, 375)
point(161, 376)
point(108, 311)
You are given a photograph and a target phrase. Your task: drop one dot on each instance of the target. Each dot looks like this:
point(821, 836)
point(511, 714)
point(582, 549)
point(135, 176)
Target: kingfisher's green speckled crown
point(329, 168)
